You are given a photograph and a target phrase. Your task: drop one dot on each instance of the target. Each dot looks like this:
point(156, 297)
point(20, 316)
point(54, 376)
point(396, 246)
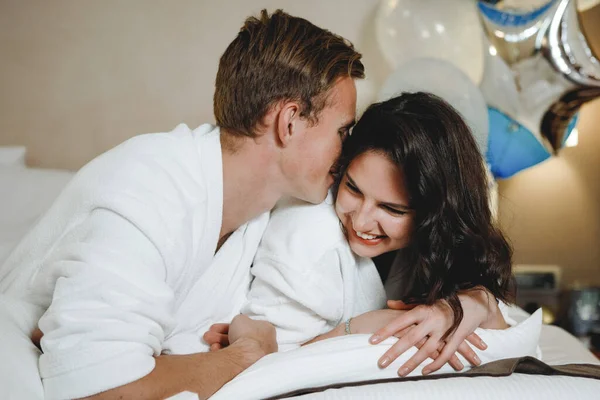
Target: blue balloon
point(570, 128)
point(511, 146)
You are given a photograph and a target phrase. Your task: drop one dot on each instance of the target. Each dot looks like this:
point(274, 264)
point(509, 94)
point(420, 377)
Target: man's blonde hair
point(277, 58)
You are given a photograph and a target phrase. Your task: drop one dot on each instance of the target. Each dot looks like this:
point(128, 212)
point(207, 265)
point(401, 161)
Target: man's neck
point(251, 181)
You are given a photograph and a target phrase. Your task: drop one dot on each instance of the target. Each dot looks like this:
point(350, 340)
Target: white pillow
point(12, 156)
point(26, 195)
point(351, 359)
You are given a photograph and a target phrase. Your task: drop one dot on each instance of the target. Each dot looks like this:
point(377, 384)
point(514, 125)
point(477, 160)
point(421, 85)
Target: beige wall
point(79, 76)
point(551, 212)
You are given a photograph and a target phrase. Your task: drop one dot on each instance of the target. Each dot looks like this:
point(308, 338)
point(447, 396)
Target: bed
point(28, 192)
point(558, 348)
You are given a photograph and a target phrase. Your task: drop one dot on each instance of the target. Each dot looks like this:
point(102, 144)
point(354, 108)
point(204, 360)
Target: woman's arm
point(364, 323)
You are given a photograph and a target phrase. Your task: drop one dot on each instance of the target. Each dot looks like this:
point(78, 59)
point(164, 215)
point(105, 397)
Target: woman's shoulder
point(302, 230)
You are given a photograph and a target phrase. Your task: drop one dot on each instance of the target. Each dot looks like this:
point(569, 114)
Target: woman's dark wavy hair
point(455, 244)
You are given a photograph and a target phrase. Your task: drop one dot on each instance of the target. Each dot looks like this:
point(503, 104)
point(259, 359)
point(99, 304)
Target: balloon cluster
point(517, 70)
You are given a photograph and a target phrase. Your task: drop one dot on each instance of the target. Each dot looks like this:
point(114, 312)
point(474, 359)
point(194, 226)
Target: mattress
point(516, 386)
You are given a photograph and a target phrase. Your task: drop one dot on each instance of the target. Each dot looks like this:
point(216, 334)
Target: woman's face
point(373, 205)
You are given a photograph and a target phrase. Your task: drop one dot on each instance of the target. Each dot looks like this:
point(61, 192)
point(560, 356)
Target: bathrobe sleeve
point(111, 304)
point(301, 299)
point(298, 284)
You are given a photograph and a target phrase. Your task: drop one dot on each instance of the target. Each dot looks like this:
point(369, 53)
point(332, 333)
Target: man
point(126, 267)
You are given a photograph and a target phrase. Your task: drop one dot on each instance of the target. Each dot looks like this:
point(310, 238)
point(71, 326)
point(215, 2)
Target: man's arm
point(201, 373)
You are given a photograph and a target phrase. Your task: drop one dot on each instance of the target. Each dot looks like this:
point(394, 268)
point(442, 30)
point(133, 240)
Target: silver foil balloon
point(566, 49)
point(554, 69)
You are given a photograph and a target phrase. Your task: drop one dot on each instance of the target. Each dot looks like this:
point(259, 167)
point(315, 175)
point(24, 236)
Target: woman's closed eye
point(393, 211)
point(352, 188)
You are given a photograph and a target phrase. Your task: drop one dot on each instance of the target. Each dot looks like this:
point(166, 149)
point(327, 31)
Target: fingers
point(216, 338)
point(399, 305)
point(421, 355)
point(467, 352)
point(403, 332)
point(219, 328)
point(215, 347)
point(400, 323)
point(476, 341)
point(448, 354)
point(454, 363)
point(421, 343)
point(36, 336)
point(444, 357)
point(414, 336)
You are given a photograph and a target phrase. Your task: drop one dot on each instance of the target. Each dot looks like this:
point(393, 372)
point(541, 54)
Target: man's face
point(310, 161)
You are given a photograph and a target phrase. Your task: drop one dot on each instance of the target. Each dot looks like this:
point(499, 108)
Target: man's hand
point(245, 328)
point(221, 335)
point(217, 336)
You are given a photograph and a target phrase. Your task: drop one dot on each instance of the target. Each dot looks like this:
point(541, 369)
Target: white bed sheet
point(513, 387)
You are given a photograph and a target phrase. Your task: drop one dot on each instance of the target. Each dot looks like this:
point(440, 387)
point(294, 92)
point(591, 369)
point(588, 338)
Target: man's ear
point(288, 123)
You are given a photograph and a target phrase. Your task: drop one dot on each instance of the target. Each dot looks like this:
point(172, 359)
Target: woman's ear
point(288, 122)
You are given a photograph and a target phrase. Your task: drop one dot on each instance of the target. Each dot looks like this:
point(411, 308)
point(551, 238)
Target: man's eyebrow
point(392, 205)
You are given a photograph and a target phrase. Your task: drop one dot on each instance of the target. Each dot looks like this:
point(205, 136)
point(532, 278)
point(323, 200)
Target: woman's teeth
point(365, 236)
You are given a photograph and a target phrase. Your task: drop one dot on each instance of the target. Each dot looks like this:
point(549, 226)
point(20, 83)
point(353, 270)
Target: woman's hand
point(424, 326)
point(371, 321)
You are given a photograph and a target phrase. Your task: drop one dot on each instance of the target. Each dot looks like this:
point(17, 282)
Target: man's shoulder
point(152, 163)
point(297, 214)
point(181, 140)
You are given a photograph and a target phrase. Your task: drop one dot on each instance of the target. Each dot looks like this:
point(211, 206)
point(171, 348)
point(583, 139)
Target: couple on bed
point(143, 262)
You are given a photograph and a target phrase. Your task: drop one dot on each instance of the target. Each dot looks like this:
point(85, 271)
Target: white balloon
point(448, 82)
point(448, 29)
point(498, 85)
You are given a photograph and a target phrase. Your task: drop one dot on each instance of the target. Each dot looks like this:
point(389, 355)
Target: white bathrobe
point(123, 265)
point(307, 280)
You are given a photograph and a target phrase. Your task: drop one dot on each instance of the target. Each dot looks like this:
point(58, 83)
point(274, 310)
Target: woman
point(413, 185)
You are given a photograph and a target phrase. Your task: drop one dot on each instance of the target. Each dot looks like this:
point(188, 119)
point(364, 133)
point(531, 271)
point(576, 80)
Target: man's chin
point(315, 198)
